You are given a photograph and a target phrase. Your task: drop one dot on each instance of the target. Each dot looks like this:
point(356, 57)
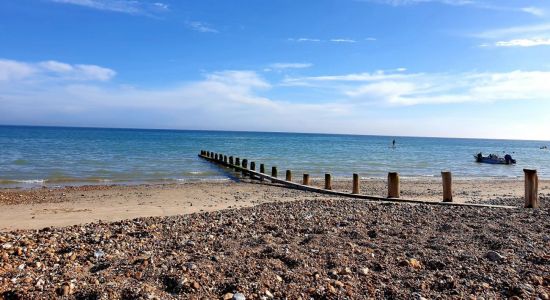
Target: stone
point(372, 234)
point(228, 296)
point(64, 290)
point(364, 271)
point(495, 256)
point(269, 294)
point(196, 285)
point(238, 296)
point(537, 280)
point(414, 263)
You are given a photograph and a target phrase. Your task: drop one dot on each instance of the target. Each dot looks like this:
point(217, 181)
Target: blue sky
point(458, 68)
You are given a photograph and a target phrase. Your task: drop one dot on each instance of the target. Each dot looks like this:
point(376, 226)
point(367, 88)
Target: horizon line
point(278, 132)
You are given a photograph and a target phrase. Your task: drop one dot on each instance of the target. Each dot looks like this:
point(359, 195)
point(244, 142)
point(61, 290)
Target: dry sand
point(39, 208)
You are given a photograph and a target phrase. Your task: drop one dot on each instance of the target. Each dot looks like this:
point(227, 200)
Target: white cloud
point(416, 89)
point(52, 70)
point(201, 27)
point(13, 70)
point(371, 39)
point(524, 43)
point(239, 100)
point(541, 29)
point(290, 65)
point(122, 6)
point(340, 40)
point(539, 12)
point(483, 4)
point(354, 77)
point(412, 2)
point(304, 40)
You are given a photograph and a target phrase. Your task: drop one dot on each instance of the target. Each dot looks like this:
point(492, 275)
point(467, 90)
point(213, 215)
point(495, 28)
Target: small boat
point(495, 159)
point(544, 148)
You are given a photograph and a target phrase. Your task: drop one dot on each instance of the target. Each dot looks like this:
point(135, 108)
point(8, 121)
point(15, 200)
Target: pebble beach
point(280, 244)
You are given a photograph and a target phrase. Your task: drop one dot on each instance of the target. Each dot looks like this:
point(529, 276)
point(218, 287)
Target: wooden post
point(207, 153)
point(237, 161)
point(252, 166)
point(393, 185)
point(273, 171)
point(220, 157)
point(355, 184)
point(306, 179)
point(531, 188)
point(447, 186)
point(262, 168)
point(288, 175)
point(328, 182)
point(231, 160)
point(245, 166)
point(216, 156)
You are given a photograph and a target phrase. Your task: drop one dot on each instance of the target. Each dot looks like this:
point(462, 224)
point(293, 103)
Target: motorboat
point(495, 159)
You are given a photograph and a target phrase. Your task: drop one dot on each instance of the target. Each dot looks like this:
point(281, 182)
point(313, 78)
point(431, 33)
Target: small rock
point(238, 296)
point(279, 278)
point(494, 256)
point(196, 285)
point(372, 234)
point(269, 294)
point(415, 263)
point(536, 280)
point(228, 296)
point(346, 271)
point(364, 271)
point(64, 290)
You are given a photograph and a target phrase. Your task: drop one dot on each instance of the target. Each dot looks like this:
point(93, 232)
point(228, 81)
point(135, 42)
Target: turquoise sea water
point(35, 156)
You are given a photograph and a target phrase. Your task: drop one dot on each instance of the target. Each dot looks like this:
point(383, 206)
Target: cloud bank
point(58, 93)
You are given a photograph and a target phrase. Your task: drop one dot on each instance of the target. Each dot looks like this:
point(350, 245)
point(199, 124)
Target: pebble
point(494, 256)
point(238, 296)
point(136, 256)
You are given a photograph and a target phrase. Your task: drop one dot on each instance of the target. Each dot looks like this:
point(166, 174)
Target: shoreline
point(43, 207)
point(9, 184)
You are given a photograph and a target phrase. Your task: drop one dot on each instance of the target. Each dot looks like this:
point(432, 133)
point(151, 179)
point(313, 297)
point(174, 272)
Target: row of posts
point(531, 179)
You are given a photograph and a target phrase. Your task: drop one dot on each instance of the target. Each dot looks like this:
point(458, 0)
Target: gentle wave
point(64, 156)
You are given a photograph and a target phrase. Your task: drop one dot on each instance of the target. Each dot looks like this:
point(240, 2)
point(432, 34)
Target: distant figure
point(509, 160)
point(393, 143)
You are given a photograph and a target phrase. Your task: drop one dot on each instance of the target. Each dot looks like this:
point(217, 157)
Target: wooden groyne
point(531, 183)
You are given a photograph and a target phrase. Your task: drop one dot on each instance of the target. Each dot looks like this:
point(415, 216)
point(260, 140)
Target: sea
point(60, 156)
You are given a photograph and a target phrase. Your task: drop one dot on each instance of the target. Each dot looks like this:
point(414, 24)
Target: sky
point(448, 68)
